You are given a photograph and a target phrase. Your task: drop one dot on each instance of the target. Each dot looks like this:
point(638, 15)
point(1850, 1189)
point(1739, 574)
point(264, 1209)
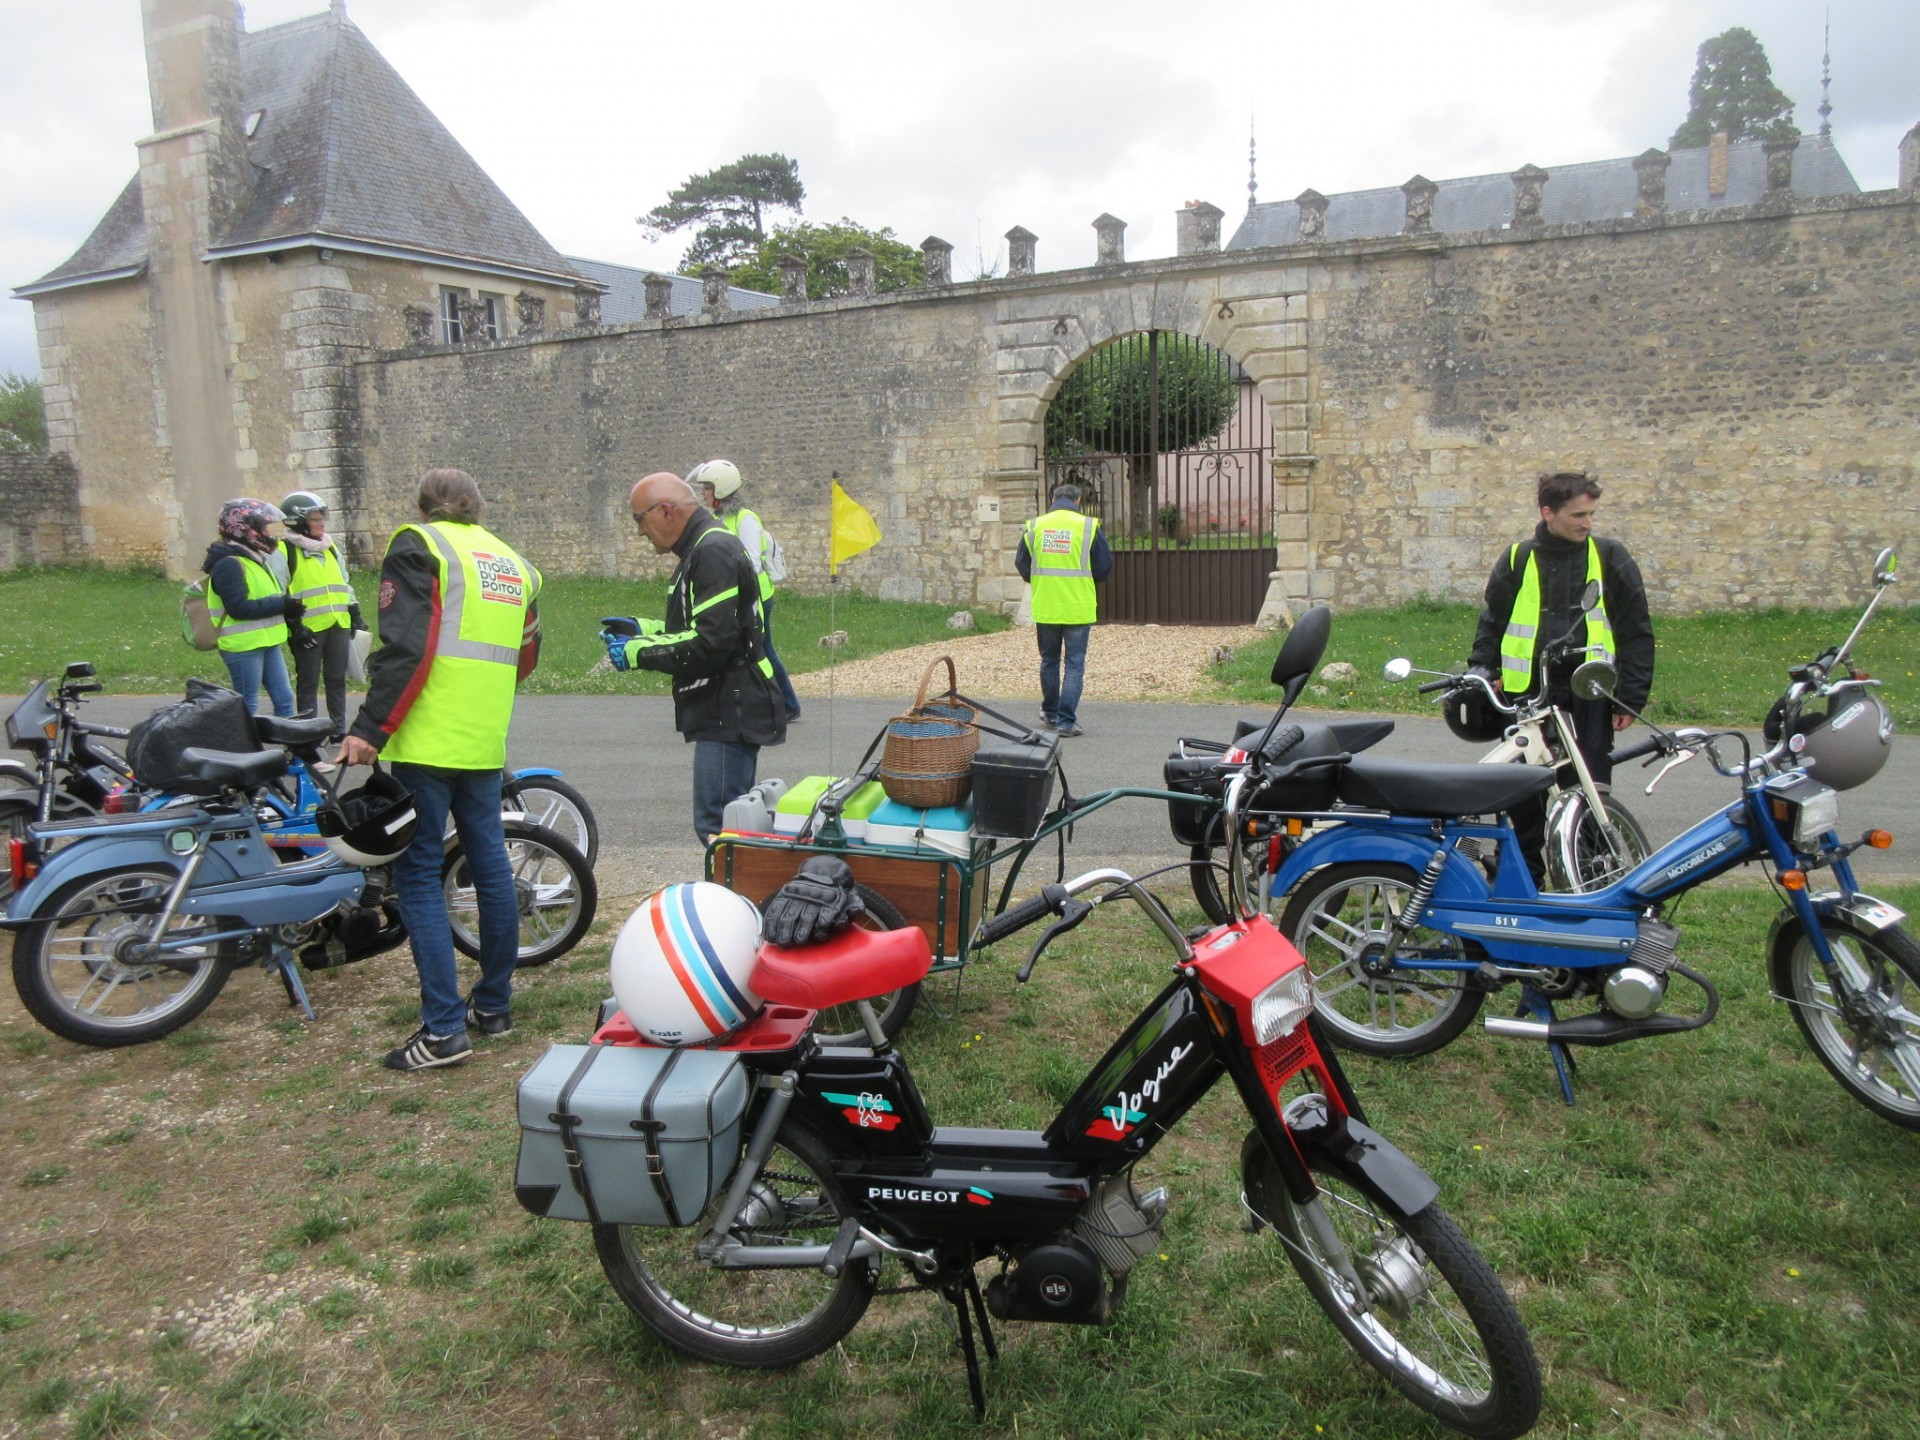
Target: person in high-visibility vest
point(459, 628)
point(1063, 554)
point(248, 604)
point(718, 483)
point(1533, 599)
point(317, 578)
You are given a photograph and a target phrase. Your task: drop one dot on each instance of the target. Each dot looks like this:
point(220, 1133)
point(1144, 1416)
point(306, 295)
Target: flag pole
point(833, 597)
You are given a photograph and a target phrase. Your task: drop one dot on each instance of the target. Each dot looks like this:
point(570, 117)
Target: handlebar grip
point(1433, 685)
point(1650, 746)
point(998, 927)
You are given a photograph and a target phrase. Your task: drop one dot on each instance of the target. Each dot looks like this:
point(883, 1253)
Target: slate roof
point(625, 300)
point(1574, 194)
point(346, 153)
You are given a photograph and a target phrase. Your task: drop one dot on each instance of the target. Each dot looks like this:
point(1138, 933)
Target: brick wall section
point(39, 511)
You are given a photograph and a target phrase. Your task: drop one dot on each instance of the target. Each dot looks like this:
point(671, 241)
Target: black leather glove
point(291, 608)
point(816, 903)
point(354, 622)
point(303, 638)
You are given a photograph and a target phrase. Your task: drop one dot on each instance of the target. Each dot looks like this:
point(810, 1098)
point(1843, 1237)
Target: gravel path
point(1124, 662)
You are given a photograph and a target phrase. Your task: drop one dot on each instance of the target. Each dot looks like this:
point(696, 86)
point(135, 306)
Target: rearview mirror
point(1304, 646)
point(1397, 669)
point(80, 670)
point(1595, 680)
point(1590, 597)
point(1883, 566)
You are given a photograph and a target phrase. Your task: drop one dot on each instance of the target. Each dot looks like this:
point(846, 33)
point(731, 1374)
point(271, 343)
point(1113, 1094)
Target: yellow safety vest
point(248, 634)
point(320, 583)
point(1060, 549)
point(732, 521)
point(459, 719)
point(1523, 625)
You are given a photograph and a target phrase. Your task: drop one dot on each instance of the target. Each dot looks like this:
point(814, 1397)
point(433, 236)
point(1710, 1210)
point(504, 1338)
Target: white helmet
point(371, 825)
point(682, 961)
point(722, 475)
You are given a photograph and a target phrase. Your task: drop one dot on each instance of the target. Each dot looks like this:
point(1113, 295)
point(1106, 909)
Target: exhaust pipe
point(1604, 1027)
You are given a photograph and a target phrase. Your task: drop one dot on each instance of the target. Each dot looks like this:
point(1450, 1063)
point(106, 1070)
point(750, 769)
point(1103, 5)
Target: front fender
point(1352, 1151)
point(1462, 879)
point(1861, 910)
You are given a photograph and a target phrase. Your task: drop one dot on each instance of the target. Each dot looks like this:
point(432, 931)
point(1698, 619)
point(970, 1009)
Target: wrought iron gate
point(1169, 442)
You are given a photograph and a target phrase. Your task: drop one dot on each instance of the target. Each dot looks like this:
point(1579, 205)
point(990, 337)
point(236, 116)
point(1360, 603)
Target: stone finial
point(1650, 171)
point(531, 311)
point(1197, 228)
point(1313, 215)
point(473, 319)
point(793, 279)
point(860, 270)
point(1021, 242)
point(937, 256)
point(1779, 152)
point(1910, 160)
point(659, 291)
point(1419, 192)
point(1529, 181)
point(586, 307)
point(420, 322)
point(714, 299)
point(1110, 234)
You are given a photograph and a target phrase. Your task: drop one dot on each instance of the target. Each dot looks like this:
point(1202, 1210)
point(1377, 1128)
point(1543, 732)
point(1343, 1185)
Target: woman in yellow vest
point(249, 606)
point(317, 578)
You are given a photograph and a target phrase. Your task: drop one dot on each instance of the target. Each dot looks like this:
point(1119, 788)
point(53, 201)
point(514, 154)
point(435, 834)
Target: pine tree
point(1733, 91)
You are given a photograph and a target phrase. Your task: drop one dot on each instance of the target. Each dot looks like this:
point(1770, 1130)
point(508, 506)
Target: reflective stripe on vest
point(320, 583)
point(1523, 625)
point(248, 634)
point(459, 719)
point(1060, 549)
point(732, 521)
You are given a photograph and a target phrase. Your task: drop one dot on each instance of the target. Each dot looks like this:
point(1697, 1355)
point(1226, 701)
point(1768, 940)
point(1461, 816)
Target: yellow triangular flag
point(853, 530)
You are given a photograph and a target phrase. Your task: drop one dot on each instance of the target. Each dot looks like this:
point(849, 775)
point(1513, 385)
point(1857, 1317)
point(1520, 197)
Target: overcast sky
point(964, 121)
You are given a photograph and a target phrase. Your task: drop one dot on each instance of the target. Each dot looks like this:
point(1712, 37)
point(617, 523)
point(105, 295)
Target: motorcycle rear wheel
point(70, 970)
point(1872, 1045)
point(756, 1319)
point(1340, 918)
point(553, 888)
point(1589, 862)
point(1433, 1318)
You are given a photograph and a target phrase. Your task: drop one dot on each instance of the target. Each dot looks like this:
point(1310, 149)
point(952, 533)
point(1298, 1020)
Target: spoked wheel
point(1411, 1294)
point(840, 1024)
point(554, 891)
point(83, 970)
point(1207, 874)
point(1867, 1031)
point(550, 801)
point(1341, 919)
point(763, 1318)
point(1582, 856)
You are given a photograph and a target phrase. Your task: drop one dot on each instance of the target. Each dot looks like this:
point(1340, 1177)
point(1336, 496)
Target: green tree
point(23, 418)
point(729, 209)
point(1733, 90)
point(824, 247)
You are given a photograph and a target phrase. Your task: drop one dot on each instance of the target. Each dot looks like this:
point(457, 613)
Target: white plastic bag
point(357, 652)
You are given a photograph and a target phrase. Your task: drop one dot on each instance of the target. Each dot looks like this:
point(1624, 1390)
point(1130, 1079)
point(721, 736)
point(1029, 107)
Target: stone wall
point(39, 511)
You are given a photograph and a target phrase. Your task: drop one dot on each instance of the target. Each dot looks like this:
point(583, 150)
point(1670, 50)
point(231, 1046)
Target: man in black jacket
point(725, 700)
point(1533, 599)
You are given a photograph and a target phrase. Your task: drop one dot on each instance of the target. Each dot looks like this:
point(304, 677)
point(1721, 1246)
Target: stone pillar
point(586, 307)
point(1021, 243)
point(1197, 228)
point(1110, 237)
point(659, 292)
point(531, 311)
point(1779, 151)
point(1529, 181)
point(1650, 170)
point(1910, 160)
point(793, 279)
point(860, 271)
point(473, 319)
point(714, 299)
point(937, 258)
point(420, 322)
point(1313, 216)
point(1419, 192)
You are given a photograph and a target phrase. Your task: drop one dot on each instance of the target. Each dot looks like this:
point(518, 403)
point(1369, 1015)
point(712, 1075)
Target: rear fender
point(85, 858)
point(1348, 843)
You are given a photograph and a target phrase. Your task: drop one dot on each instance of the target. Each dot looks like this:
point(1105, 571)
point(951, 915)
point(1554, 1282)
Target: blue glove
point(623, 625)
point(616, 649)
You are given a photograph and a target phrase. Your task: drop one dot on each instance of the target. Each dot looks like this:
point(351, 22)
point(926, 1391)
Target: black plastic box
point(1012, 787)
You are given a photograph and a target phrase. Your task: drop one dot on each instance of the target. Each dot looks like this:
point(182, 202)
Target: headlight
point(1279, 1009)
point(1803, 807)
point(1818, 815)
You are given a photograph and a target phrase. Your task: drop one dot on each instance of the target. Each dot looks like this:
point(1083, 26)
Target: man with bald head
point(712, 643)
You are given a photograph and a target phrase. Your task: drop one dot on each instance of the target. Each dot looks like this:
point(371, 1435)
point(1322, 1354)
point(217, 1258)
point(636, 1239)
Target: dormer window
point(450, 330)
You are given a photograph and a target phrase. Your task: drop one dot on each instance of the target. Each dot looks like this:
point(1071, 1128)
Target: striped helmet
point(682, 963)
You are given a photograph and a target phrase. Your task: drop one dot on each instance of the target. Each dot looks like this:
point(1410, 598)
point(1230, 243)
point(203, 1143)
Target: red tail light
point(19, 866)
point(116, 802)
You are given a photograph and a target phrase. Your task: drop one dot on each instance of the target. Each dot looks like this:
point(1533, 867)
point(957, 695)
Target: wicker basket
point(927, 759)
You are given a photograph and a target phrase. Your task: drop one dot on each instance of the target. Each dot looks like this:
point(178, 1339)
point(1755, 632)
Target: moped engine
point(1636, 989)
point(1057, 1280)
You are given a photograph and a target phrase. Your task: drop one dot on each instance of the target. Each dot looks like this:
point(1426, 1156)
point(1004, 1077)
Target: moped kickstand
point(1534, 1005)
point(296, 987)
point(964, 1294)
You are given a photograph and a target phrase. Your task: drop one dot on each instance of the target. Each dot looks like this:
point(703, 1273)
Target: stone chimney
point(1110, 234)
point(1910, 160)
point(860, 270)
point(1650, 170)
point(793, 279)
point(1717, 165)
point(714, 299)
point(1419, 192)
point(1021, 243)
point(1529, 183)
point(937, 261)
point(1197, 228)
point(1313, 216)
point(659, 291)
point(1779, 152)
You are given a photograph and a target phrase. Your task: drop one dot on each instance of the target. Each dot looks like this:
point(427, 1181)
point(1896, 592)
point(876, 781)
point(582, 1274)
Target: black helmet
point(299, 505)
point(371, 825)
point(1471, 715)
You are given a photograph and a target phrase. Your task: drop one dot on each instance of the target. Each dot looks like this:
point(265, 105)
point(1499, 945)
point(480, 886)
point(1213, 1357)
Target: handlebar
point(1653, 745)
point(998, 927)
point(1059, 900)
point(1432, 685)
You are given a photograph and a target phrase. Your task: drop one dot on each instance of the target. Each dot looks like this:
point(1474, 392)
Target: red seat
point(854, 965)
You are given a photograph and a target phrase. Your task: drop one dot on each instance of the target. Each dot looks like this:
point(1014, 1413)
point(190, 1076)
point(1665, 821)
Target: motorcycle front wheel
point(77, 973)
point(1870, 1039)
point(1341, 919)
point(1580, 856)
point(554, 892)
point(1414, 1297)
point(757, 1319)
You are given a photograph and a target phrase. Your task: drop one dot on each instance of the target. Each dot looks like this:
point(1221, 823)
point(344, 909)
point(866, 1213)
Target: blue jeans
point(248, 668)
point(1060, 686)
point(722, 771)
point(779, 670)
point(472, 797)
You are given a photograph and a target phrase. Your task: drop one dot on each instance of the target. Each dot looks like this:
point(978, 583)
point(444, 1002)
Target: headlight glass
point(1279, 1009)
point(1818, 814)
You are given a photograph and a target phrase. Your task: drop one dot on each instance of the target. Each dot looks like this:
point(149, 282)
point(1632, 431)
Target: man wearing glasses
point(725, 700)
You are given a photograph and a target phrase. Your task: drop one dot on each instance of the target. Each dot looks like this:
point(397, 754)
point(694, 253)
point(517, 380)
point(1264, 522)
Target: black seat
point(208, 772)
point(296, 734)
point(1439, 792)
